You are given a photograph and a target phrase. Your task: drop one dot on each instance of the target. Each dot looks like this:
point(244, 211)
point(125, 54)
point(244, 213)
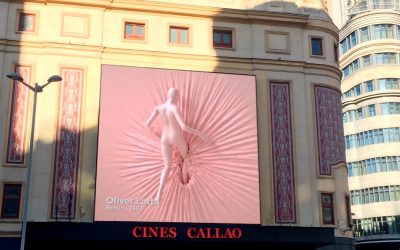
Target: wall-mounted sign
point(172, 232)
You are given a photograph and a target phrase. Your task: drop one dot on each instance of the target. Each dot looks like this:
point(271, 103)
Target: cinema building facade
point(254, 85)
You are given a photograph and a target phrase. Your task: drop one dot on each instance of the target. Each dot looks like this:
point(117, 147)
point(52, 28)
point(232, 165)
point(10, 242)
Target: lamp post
point(37, 89)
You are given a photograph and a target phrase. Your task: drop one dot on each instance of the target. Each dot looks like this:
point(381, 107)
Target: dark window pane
point(11, 201)
point(227, 38)
point(316, 44)
point(217, 37)
point(223, 38)
point(26, 22)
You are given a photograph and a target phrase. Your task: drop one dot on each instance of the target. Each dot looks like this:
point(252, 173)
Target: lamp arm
point(29, 86)
point(44, 85)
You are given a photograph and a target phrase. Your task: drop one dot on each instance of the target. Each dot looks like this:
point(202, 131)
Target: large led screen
point(177, 146)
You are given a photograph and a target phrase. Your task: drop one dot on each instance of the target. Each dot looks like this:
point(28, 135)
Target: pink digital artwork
point(221, 181)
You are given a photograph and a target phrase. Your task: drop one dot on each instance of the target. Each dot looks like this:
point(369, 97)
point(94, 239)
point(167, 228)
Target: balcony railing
point(364, 5)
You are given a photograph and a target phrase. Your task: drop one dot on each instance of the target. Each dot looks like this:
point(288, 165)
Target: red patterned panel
point(18, 118)
point(67, 145)
point(284, 193)
point(329, 128)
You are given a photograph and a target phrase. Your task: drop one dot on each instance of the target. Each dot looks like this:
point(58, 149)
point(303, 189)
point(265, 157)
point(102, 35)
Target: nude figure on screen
point(172, 136)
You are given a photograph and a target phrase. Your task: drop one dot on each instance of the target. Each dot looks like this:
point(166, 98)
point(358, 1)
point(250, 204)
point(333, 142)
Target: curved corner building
point(369, 58)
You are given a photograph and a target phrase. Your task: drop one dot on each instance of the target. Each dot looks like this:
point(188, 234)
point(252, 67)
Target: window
point(357, 90)
point(385, 58)
point(346, 71)
point(316, 46)
point(386, 135)
point(178, 35)
point(382, 31)
point(352, 141)
point(385, 108)
point(353, 39)
point(375, 194)
point(392, 193)
point(26, 22)
point(11, 201)
point(397, 131)
point(381, 194)
point(222, 38)
point(371, 136)
point(356, 65)
point(382, 84)
point(366, 60)
point(350, 168)
point(394, 83)
point(388, 83)
point(369, 86)
point(365, 34)
point(349, 93)
point(348, 42)
point(390, 108)
point(327, 209)
point(352, 115)
point(373, 165)
point(376, 4)
point(375, 137)
point(362, 4)
point(343, 46)
point(353, 66)
point(360, 114)
point(134, 31)
point(335, 52)
point(371, 110)
point(398, 32)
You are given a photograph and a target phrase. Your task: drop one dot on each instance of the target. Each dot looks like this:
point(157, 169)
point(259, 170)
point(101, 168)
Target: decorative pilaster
point(67, 145)
point(329, 128)
point(16, 146)
point(282, 154)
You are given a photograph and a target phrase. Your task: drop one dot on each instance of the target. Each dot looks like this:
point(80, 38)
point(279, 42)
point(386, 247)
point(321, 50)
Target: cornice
point(257, 63)
point(43, 45)
point(373, 46)
point(369, 97)
point(325, 26)
point(105, 53)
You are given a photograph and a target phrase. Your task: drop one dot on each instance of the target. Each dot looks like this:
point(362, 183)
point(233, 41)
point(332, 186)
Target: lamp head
point(15, 77)
point(54, 78)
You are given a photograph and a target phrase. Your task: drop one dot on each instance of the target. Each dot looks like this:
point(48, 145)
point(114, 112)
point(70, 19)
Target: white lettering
point(110, 200)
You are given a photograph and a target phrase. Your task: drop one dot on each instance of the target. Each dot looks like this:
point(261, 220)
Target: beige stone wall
point(87, 34)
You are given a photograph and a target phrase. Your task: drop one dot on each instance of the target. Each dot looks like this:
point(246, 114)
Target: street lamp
point(36, 89)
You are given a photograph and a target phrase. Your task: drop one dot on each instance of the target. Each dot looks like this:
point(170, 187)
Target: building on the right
point(369, 46)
